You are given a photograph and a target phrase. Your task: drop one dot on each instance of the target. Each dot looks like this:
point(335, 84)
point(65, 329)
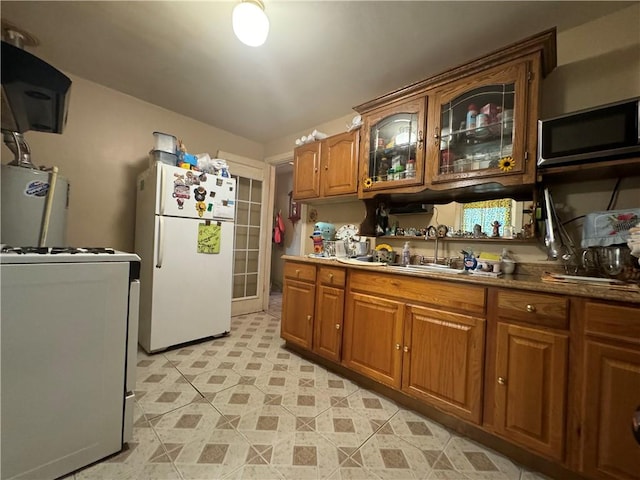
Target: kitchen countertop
point(529, 277)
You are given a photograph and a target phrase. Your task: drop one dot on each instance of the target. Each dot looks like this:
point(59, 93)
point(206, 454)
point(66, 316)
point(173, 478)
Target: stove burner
point(74, 250)
point(56, 250)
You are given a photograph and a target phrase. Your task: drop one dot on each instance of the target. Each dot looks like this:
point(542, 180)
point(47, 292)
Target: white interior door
point(252, 242)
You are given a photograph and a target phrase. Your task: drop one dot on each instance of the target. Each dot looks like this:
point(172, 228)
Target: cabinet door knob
point(405, 349)
point(502, 380)
point(420, 140)
point(309, 317)
point(436, 135)
point(397, 346)
point(531, 308)
point(337, 326)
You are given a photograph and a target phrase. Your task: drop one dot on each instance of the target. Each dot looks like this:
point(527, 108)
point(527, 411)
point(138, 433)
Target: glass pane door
point(477, 130)
point(392, 148)
point(246, 252)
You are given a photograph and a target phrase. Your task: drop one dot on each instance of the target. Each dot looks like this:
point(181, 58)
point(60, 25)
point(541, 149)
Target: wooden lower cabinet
point(530, 394)
point(444, 360)
point(327, 327)
point(372, 339)
point(298, 302)
point(611, 392)
point(495, 357)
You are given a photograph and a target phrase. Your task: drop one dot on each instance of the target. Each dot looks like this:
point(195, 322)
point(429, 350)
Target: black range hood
point(35, 95)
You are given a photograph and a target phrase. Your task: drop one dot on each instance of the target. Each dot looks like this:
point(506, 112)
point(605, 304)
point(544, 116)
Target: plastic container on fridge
point(164, 157)
point(164, 142)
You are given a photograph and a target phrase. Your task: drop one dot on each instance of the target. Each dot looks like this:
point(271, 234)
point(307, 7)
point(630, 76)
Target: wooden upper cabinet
point(327, 168)
point(339, 164)
point(470, 125)
point(530, 395)
point(392, 153)
point(444, 360)
point(480, 128)
point(306, 171)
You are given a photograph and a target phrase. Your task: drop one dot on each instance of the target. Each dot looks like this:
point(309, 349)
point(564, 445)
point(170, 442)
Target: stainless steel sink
point(428, 267)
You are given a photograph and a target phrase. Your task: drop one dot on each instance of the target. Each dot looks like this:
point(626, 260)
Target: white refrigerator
point(184, 236)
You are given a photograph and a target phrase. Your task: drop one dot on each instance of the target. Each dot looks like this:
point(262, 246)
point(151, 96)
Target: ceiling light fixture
point(250, 23)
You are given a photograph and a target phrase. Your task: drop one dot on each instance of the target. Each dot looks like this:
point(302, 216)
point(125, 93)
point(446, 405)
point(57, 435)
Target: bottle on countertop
point(406, 254)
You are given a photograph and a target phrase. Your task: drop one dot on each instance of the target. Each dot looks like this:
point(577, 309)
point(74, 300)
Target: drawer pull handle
point(531, 308)
point(397, 346)
point(309, 317)
point(297, 273)
point(502, 380)
point(337, 326)
point(331, 276)
point(406, 349)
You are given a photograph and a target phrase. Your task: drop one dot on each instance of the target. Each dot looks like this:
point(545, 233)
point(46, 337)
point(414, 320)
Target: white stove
point(10, 254)
point(69, 334)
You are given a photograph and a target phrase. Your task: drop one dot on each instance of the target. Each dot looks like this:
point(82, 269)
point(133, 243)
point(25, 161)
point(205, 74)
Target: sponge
point(489, 256)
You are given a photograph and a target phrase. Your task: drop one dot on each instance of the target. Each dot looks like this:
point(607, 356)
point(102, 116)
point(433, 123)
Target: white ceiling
point(321, 57)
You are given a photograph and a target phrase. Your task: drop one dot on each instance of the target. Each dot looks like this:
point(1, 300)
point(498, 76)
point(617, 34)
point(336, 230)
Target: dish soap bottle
point(406, 254)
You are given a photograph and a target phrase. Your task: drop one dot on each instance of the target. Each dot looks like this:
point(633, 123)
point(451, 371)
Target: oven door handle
point(160, 252)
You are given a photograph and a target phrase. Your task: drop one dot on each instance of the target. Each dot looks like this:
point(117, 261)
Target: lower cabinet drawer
point(300, 271)
point(332, 276)
point(536, 308)
point(456, 296)
point(613, 321)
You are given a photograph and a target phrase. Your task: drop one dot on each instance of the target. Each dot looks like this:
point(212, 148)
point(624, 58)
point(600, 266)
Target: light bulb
point(250, 23)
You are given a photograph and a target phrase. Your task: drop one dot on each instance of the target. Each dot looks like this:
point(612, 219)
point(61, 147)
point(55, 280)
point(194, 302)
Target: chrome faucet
point(435, 251)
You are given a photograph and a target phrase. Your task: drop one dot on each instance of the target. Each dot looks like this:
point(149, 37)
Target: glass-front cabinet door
point(393, 151)
point(478, 127)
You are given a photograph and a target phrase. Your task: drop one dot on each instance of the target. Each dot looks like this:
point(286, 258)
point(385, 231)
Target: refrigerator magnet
point(200, 208)
point(200, 194)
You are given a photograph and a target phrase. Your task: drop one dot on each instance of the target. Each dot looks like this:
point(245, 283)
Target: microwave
point(597, 133)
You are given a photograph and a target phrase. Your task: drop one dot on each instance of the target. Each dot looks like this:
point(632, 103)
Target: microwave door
point(597, 133)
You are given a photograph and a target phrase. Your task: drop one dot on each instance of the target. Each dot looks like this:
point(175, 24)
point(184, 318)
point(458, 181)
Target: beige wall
point(104, 146)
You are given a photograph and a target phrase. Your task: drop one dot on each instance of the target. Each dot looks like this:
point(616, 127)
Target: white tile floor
point(243, 407)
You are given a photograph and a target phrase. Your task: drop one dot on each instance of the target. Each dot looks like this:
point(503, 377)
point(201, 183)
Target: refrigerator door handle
point(160, 252)
point(162, 188)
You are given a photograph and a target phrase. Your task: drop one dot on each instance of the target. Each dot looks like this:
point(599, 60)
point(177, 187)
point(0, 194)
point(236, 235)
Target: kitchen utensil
point(613, 260)
point(327, 230)
point(553, 248)
point(360, 248)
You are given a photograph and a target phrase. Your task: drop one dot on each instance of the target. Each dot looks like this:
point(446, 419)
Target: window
point(485, 213)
